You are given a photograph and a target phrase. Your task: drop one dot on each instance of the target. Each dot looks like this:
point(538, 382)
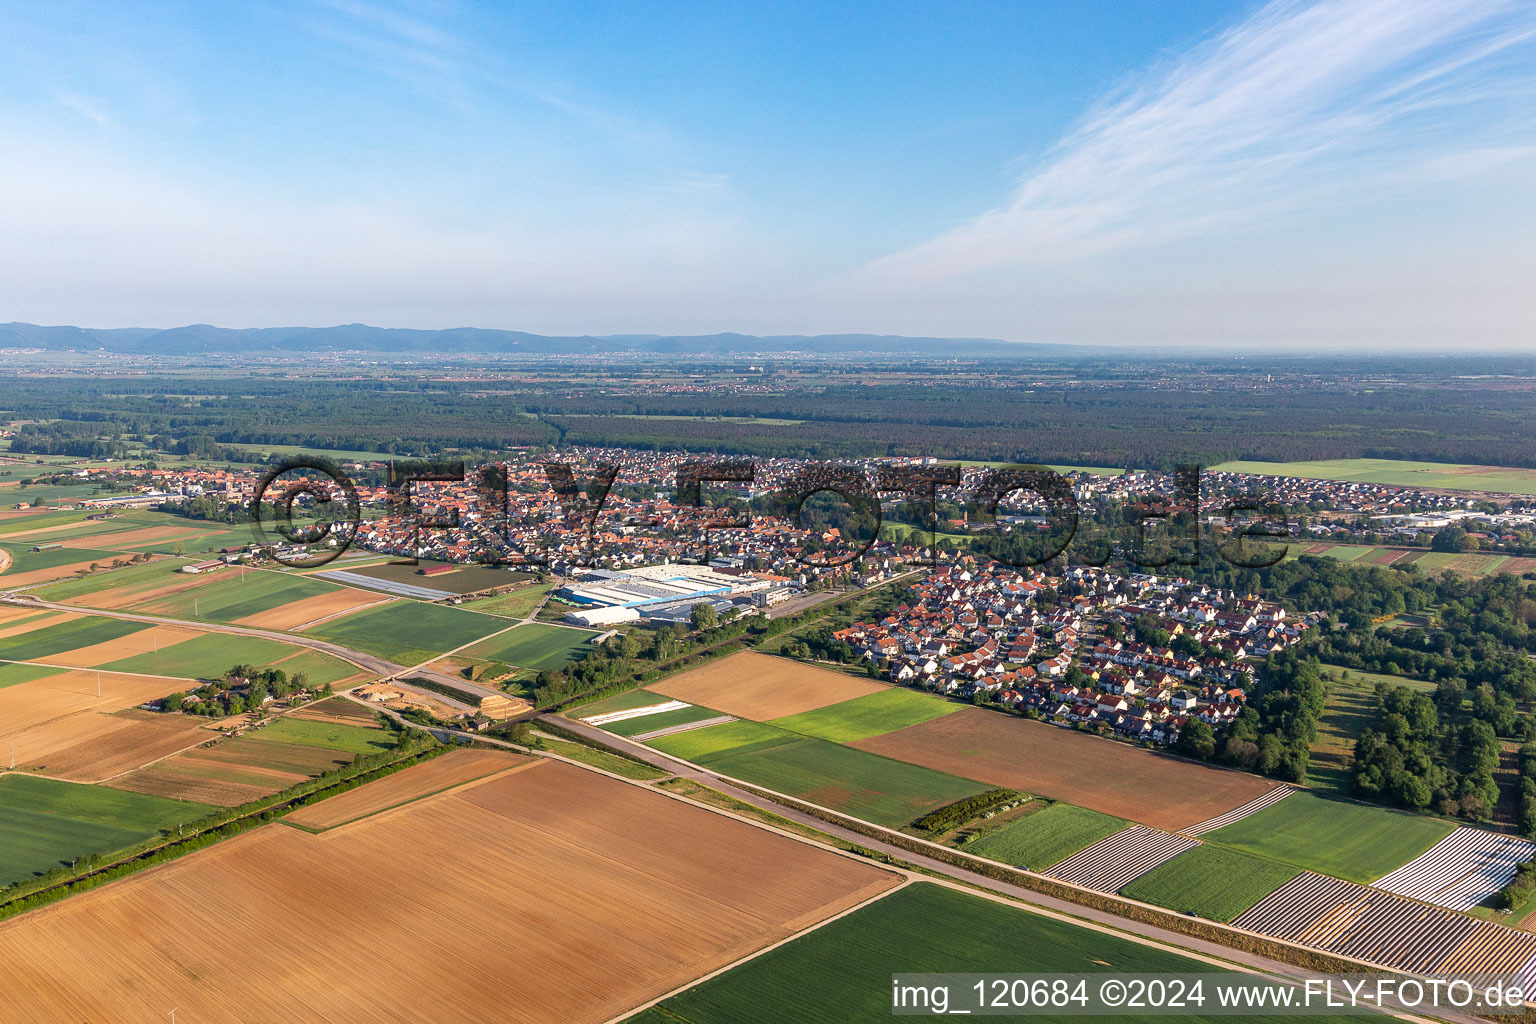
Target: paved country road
point(1014, 892)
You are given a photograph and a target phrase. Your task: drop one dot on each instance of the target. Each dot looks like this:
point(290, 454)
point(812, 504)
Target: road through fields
point(368, 662)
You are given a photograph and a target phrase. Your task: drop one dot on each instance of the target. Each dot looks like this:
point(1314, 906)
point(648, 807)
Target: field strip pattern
point(649, 709)
point(1125, 856)
point(356, 579)
point(684, 727)
point(1461, 870)
point(1393, 931)
point(1254, 806)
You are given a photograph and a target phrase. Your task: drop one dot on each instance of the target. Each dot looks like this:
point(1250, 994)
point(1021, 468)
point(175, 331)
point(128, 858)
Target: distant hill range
point(201, 339)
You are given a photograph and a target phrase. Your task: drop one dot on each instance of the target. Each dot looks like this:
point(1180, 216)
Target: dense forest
point(1135, 415)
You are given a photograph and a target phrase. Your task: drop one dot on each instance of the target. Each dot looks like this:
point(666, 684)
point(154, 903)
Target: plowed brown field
point(138, 595)
point(306, 610)
point(1097, 773)
point(552, 894)
point(58, 572)
point(761, 687)
point(59, 726)
point(435, 776)
point(145, 641)
point(43, 621)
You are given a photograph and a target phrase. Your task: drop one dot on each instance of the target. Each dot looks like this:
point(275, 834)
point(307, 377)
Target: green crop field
point(535, 645)
point(321, 669)
point(874, 714)
point(737, 737)
point(517, 605)
point(665, 720)
point(37, 521)
point(1047, 837)
point(1211, 881)
point(1493, 479)
point(24, 559)
point(462, 580)
point(350, 739)
point(45, 824)
point(1357, 842)
point(841, 973)
point(144, 576)
point(619, 702)
point(855, 782)
point(205, 657)
point(11, 674)
point(236, 592)
point(408, 632)
point(40, 644)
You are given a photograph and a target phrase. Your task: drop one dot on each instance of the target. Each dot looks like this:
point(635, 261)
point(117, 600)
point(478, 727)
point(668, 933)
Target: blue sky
point(1355, 174)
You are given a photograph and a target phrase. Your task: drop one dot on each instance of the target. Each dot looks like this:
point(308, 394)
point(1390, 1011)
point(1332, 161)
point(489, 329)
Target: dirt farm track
point(534, 896)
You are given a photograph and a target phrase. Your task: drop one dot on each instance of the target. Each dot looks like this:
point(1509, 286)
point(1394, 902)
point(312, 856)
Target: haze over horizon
point(1350, 175)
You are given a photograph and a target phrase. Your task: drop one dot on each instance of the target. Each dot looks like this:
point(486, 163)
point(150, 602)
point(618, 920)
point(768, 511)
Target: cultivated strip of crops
point(1390, 930)
point(1461, 870)
point(1111, 863)
point(1253, 806)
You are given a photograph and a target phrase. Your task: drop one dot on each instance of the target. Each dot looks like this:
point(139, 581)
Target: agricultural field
point(408, 632)
point(843, 778)
point(119, 588)
point(1429, 475)
point(1472, 563)
point(1211, 882)
point(1047, 836)
point(519, 604)
point(841, 973)
point(362, 738)
point(462, 580)
point(204, 656)
point(643, 724)
point(873, 715)
point(311, 611)
point(535, 645)
point(232, 594)
point(46, 824)
point(762, 687)
point(442, 773)
point(1353, 841)
point(322, 669)
point(1123, 857)
point(1381, 927)
point(656, 907)
point(1114, 778)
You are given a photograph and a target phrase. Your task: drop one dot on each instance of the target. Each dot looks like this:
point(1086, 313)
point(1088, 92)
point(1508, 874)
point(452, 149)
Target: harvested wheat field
point(59, 726)
point(145, 641)
point(57, 572)
point(459, 907)
point(97, 747)
point(308, 609)
point(27, 706)
point(206, 777)
point(761, 687)
point(438, 775)
point(36, 620)
point(1100, 774)
point(128, 539)
point(134, 597)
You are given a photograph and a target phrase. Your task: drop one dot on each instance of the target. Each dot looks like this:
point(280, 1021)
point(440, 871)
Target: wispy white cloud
point(415, 44)
point(1301, 104)
point(87, 107)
